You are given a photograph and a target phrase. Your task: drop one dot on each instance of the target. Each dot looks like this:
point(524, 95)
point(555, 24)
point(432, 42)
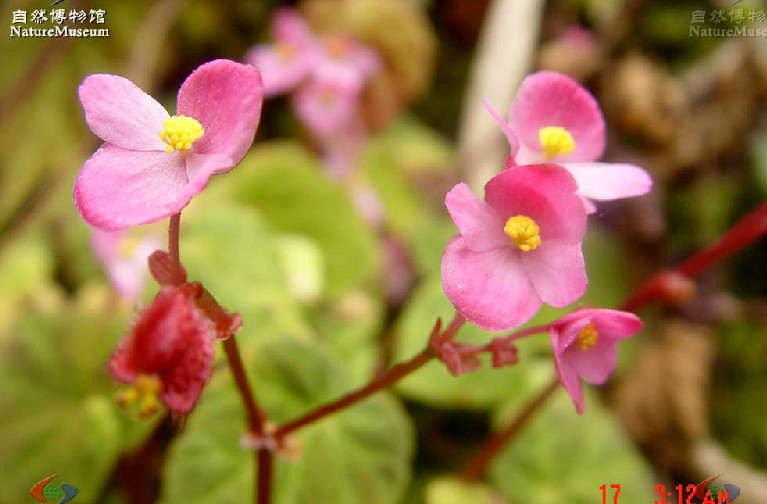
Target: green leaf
point(56, 396)
point(454, 491)
point(294, 196)
point(561, 456)
point(360, 455)
point(229, 248)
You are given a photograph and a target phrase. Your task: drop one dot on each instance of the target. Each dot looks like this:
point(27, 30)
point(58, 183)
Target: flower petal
point(280, 73)
point(289, 26)
point(609, 181)
point(225, 97)
point(615, 324)
point(568, 377)
point(325, 108)
point(120, 113)
point(480, 226)
point(557, 271)
point(508, 132)
point(490, 289)
point(200, 167)
point(552, 99)
point(546, 194)
point(594, 364)
point(119, 188)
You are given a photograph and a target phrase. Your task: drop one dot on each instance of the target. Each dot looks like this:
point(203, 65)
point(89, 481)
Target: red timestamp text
point(690, 494)
point(615, 490)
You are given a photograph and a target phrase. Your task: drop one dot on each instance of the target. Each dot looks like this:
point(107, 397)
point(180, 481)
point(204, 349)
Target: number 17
point(617, 489)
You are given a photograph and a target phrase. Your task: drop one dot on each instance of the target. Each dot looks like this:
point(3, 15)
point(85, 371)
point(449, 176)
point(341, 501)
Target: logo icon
point(726, 492)
point(45, 490)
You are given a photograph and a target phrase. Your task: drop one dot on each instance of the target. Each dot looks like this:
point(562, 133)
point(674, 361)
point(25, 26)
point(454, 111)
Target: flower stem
point(256, 420)
point(659, 286)
point(385, 380)
point(477, 466)
point(174, 233)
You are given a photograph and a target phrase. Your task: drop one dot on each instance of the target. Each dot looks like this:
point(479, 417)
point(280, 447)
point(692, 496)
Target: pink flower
point(326, 73)
point(554, 119)
point(287, 62)
point(345, 62)
point(151, 164)
point(124, 258)
point(326, 108)
point(585, 345)
point(518, 248)
point(167, 353)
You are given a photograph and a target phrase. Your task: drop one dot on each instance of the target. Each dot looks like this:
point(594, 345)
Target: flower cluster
point(521, 246)
point(326, 74)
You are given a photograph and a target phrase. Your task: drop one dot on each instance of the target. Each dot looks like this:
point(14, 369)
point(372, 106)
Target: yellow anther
point(556, 141)
point(524, 232)
point(143, 394)
point(285, 50)
point(180, 132)
point(588, 337)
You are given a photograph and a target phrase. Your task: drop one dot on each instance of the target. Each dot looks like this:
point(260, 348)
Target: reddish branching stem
point(383, 381)
point(670, 286)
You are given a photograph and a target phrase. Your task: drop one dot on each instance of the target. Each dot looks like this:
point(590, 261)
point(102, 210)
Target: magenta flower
point(554, 119)
point(168, 353)
point(287, 62)
point(585, 345)
point(518, 248)
point(151, 165)
point(325, 73)
point(124, 258)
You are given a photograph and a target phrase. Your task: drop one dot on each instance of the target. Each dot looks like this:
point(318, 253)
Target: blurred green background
point(687, 402)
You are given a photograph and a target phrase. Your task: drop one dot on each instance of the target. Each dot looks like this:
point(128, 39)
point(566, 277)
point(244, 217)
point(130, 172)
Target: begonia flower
point(553, 119)
point(518, 248)
point(345, 61)
point(287, 61)
point(585, 345)
point(151, 164)
point(325, 107)
point(168, 353)
point(124, 258)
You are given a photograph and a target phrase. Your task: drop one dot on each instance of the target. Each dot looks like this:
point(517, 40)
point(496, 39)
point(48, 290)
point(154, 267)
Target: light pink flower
point(518, 248)
point(168, 352)
point(326, 108)
point(287, 62)
point(151, 165)
point(345, 62)
point(585, 345)
point(124, 258)
point(554, 119)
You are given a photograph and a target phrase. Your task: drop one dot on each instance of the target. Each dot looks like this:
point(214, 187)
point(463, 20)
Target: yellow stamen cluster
point(180, 132)
point(556, 141)
point(142, 393)
point(588, 337)
point(524, 232)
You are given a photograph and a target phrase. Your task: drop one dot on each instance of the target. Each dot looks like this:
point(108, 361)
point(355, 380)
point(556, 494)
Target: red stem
point(174, 232)
point(385, 380)
point(746, 231)
point(476, 466)
point(256, 419)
